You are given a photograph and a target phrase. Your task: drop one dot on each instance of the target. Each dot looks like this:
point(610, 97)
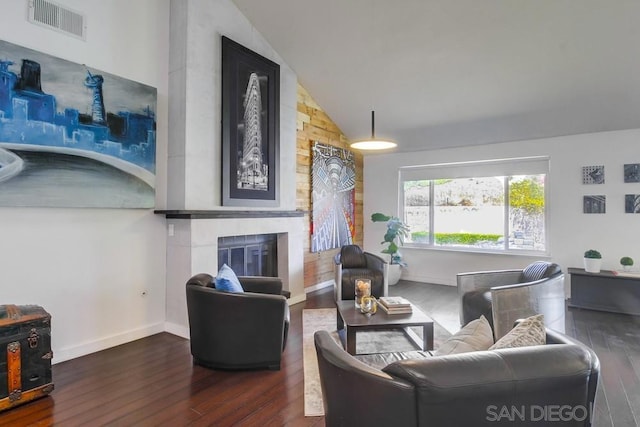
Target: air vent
point(57, 17)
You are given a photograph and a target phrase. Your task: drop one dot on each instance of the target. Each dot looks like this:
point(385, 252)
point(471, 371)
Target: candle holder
point(368, 305)
point(363, 289)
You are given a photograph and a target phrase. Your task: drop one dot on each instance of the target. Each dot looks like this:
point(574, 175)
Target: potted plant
point(397, 231)
point(626, 263)
point(592, 261)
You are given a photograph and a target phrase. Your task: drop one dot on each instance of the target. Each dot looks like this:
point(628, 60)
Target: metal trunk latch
point(33, 338)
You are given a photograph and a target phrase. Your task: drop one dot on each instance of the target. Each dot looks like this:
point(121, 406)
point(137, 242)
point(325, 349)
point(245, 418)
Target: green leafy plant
point(465, 238)
point(397, 231)
point(592, 253)
point(527, 195)
point(454, 238)
point(626, 261)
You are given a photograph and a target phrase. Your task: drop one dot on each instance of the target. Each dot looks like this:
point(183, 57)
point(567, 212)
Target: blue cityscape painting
point(73, 136)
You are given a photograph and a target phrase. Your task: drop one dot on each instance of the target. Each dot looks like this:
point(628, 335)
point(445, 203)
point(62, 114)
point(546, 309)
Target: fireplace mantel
point(220, 214)
point(192, 247)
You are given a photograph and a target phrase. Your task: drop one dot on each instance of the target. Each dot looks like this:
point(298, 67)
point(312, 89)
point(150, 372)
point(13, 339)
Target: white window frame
point(477, 169)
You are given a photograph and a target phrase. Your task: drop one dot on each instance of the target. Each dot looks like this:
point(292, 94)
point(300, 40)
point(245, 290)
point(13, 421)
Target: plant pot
point(592, 265)
point(394, 274)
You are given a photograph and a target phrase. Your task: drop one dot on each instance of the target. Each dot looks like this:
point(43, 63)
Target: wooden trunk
point(25, 354)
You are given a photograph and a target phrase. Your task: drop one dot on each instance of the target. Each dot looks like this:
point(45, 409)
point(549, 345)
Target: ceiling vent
point(57, 17)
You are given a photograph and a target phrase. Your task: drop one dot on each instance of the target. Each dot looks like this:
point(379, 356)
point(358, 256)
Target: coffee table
point(350, 318)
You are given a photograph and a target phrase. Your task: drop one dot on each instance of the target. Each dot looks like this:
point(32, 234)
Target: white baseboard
point(317, 287)
point(178, 330)
point(72, 352)
point(297, 299)
point(68, 353)
point(426, 279)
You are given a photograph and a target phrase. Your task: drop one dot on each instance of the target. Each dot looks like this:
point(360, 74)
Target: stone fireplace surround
point(192, 247)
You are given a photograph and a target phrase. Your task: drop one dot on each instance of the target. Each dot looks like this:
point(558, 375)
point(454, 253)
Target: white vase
point(394, 274)
point(592, 265)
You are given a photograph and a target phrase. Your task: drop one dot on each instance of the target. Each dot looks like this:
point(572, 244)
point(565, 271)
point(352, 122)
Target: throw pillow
point(474, 336)
point(539, 270)
point(227, 281)
point(529, 332)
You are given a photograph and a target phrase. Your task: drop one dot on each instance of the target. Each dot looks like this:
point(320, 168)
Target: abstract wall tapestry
point(333, 180)
point(73, 136)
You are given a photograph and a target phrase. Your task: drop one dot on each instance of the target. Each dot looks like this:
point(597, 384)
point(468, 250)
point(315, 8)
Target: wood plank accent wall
point(313, 124)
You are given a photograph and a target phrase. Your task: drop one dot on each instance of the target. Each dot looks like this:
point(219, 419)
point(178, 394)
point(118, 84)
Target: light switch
point(171, 229)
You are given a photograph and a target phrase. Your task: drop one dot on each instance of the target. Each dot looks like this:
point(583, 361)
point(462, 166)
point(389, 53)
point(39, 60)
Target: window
point(490, 206)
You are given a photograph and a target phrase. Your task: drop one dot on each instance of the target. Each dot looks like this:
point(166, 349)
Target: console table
point(605, 291)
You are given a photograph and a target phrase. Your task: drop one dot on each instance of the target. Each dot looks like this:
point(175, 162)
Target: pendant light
point(373, 143)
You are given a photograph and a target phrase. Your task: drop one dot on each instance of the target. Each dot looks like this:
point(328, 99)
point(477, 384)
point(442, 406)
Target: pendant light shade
point(373, 143)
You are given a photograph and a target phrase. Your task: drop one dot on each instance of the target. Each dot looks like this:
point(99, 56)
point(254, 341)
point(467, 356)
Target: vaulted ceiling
point(444, 73)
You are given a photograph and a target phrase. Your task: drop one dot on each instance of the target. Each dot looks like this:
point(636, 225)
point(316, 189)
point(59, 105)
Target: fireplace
point(250, 255)
point(193, 248)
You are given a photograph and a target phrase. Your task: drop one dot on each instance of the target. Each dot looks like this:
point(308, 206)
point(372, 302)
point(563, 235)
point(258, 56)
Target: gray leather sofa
point(237, 330)
point(526, 386)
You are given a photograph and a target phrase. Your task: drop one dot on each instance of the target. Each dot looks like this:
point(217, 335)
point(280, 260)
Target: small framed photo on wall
point(632, 172)
point(593, 174)
point(594, 204)
point(632, 203)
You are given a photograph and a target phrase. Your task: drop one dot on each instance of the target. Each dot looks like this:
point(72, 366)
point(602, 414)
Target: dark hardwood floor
point(152, 382)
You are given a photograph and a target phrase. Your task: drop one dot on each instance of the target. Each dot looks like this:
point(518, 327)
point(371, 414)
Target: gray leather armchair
point(237, 330)
point(503, 296)
point(469, 389)
point(353, 263)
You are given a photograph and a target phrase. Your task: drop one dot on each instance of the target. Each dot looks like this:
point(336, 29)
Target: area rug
point(368, 342)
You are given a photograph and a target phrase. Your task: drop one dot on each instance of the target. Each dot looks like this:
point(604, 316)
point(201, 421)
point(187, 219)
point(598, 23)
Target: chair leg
point(338, 282)
point(385, 280)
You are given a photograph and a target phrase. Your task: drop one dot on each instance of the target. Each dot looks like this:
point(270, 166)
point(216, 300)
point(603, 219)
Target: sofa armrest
point(337, 279)
point(512, 302)
point(202, 279)
point(467, 282)
point(355, 394)
point(261, 284)
point(487, 279)
point(555, 337)
point(464, 389)
point(375, 262)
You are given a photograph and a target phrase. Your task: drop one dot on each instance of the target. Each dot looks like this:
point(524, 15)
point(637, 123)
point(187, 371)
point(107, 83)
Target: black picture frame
point(251, 109)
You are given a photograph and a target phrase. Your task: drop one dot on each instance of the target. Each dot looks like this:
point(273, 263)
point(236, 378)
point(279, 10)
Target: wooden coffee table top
point(353, 317)
point(354, 320)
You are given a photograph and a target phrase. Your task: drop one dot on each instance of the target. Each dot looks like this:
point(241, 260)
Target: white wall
point(89, 267)
point(195, 158)
point(614, 234)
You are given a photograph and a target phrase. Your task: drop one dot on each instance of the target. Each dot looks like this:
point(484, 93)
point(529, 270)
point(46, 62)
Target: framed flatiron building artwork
point(250, 127)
